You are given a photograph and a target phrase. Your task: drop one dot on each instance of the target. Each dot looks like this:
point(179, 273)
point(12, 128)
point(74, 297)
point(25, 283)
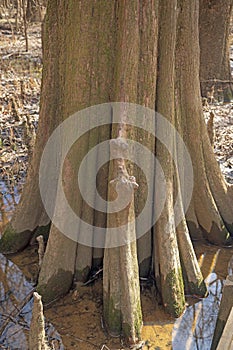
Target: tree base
point(115, 325)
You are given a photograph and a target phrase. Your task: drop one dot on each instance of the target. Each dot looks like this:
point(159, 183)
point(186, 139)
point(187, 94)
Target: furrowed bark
point(30, 214)
point(203, 206)
point(56, 274)
point(220, 189)
point(193, 278)
point(121, 291)
point(165, 231)
point(85, 79)
point(147, 74)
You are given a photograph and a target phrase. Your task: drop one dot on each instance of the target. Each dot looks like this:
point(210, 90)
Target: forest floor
point(78, 316)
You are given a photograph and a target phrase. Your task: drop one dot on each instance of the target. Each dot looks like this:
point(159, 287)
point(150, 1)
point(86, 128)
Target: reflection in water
point(195, 328)
point(15, 308)
point(9, 198)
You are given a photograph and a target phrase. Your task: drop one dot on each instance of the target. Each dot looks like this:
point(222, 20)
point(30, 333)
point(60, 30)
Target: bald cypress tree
point(144, 53)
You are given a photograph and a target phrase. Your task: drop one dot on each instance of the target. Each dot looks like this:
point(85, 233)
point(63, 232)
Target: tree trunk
point(214, 24)
point(35, 10)
point(30, 216)
point(171, 282)
point(211, 206)
point(148, 49)
point(121, 291)
point(95, 89)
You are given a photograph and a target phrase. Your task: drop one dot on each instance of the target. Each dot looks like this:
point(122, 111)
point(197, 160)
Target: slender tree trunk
point(34, 11)
point(214, 24)
point(25, 26)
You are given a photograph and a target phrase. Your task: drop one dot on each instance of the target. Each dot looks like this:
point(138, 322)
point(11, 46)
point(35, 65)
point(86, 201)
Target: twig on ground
point(40, 240)
point(82, 340)
point(105, 347)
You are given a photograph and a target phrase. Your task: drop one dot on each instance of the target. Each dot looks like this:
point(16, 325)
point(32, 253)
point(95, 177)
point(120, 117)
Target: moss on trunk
point(172, 293)
point(56, 286)
point(13, 241)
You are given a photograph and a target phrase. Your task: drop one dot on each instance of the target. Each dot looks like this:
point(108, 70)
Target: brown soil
point(78, 318)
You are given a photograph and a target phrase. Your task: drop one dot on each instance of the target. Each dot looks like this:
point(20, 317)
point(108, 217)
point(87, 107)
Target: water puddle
point(9, 198)
point(195, 328)
point(16, 309)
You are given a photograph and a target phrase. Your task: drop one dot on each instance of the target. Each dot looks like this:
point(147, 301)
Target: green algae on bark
point(13, 241)
point(173, 295)
point(56, 286)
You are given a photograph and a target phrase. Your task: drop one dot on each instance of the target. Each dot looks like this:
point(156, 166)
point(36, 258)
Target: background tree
point(215, 27)
point(144, 52)
point(35, 10)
